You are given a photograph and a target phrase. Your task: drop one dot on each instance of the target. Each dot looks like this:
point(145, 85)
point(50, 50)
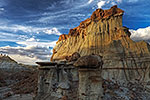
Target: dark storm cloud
point(63, 14)
point(33, 9)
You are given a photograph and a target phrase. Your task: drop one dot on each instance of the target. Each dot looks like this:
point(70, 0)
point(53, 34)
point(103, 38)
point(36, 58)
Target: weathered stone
point(62, 37)
point(46, 63)
point(90, 84)
point(104, 14)
point(90, 61)
point(73, 57)
point(57, 82)
point(64, 98)
point(63, 85)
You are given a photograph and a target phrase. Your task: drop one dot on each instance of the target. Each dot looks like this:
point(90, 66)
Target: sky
point(29, 29)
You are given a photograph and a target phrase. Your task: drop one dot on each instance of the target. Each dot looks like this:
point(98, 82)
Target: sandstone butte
point(102, 34)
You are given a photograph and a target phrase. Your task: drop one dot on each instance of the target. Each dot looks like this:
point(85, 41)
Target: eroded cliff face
point(101, 34)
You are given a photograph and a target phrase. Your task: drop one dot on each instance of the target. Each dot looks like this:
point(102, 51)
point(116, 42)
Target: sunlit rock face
point(101, 34)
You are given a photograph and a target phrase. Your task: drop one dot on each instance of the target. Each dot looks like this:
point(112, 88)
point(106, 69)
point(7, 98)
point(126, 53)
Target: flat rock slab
point(46, 63)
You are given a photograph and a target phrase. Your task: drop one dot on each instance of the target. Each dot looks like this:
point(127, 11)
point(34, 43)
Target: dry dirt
point(18, 84)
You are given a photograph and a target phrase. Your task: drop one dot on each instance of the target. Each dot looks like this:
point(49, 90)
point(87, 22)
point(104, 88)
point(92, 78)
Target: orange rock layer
point(104, 14)
point(99, 14)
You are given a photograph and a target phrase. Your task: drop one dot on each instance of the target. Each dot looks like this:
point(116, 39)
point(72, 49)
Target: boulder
point(73, 57)
point(90, 61)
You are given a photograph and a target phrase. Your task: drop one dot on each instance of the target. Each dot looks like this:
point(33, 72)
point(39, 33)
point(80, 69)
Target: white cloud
point(30, 30)
point(12, 37)
point(52, 31)
point(119, 1)
point(34, 49)
point(2, 9)
point(141, 34)
point(25, 59)
point(101, 3)
point(29, 54)
point(132, 0)
point(22, 37)
point(37, 43)
point(113, 3)
point(90, 1)
point(31, 40)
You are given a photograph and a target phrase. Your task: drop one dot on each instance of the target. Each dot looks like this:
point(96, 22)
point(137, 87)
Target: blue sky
point(30, 28)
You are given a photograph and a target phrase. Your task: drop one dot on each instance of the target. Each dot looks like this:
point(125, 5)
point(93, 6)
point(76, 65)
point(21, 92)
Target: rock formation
point(94, 60)
point(75, 56)
point(90, 61)
point(101, 34)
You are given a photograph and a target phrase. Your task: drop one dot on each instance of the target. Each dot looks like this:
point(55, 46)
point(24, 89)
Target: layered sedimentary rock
point(57, 81)
point(103, 34)
point(90, 84)
point(64, 81)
